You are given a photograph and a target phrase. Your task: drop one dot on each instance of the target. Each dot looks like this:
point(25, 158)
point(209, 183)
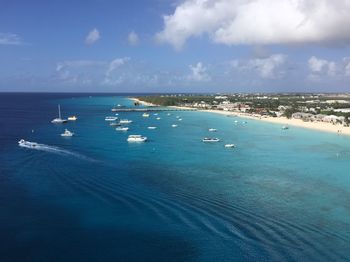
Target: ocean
point(279, 195)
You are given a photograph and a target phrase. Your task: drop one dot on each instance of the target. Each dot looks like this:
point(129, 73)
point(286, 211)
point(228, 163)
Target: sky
point(175, 46)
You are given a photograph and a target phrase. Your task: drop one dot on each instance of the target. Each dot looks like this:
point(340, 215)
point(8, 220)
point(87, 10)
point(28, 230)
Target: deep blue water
point(279, 195)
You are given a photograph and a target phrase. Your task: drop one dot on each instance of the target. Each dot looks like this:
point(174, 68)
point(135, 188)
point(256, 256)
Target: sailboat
point(59, 120)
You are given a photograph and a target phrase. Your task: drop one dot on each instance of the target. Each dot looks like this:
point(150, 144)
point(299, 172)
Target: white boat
point(145, 115)
point(122, 128)
point(168, 114)
point(285, 127)
point(116, 114)
point(125, 121)
point(152, 127)
point(67, 133)
point(177, 116)
point(230, 145)
point(28, 144)
point(155, 114)
point(174, 125)
point(136, 138)
point(59, 120)
point(209, 139)
point(180, 119)
point(212, 130)
point(114, 124)
point(111, 118)
point(72, 118)
point(158, 118)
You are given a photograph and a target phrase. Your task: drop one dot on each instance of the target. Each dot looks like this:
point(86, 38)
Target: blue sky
point(175, 46)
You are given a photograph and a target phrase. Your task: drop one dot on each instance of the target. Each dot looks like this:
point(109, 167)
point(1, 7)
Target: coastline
point(319, 126)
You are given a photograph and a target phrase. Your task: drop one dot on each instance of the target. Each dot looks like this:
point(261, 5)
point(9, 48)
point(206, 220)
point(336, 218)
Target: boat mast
point(59, 111)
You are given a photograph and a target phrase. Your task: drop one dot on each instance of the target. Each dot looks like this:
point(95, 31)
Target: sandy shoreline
point(319, 126)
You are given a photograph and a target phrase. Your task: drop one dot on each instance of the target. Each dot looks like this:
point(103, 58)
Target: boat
point(168, 114)
point(152, 127)
point(59, 120)
point(116, 114)
point(180, 119)
point(145, 115)
point(136, 138)
point(122, 128)
point(212, 130)
point(209, 139)
point(111, 118)
point(285, 127)
point(114, 124)
point(174, 125)
point(177, 116)
point(230, 145)
point(125, 121)
point(155, 114)
point(72, 118)
point(24, 143)
point(158, 118)
point(67, 133)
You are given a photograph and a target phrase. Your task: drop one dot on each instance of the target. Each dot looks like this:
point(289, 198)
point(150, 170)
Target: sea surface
point(279, 195)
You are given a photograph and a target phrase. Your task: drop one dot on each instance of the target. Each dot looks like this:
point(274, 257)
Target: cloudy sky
point(175, 45)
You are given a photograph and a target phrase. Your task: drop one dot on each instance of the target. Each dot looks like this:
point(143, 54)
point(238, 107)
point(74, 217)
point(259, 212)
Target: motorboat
point(230, 145)
point(285, 127)
point(180, 119)
point(72, 118)
point(67, 133)
point(209, 139)
point(136, 138)
point(158, 118)
point(212, 130)
point(155, 114)
point(59, 120)
point(152, 127)
point(145, 115)
point(114, 124)
point(125, 121)
point(24, 143)
point(122, 128)
point(111, 118)
point(174, 125)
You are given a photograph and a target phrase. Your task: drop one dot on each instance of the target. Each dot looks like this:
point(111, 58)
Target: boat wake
point(54, 150)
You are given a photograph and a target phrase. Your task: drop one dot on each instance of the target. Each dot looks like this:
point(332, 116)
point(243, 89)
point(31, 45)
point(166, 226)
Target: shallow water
point(279, 195)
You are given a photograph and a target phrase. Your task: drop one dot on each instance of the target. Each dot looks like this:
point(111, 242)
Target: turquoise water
point(279, 195)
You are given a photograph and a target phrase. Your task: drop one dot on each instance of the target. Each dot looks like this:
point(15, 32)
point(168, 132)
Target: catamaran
point(59, 120)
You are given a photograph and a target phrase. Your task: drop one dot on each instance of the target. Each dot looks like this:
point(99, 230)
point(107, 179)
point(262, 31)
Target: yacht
point(28, 144)
point(212, 130)
point(145, 115)
point(136, 138)
point(122, 128)
point(174, 125)
point(72, 118)
point(152, 127)
point(230, 145)
point(125, 121)
point(67, 133)
point(111, 118)
point(209, 139)
point(59, 120)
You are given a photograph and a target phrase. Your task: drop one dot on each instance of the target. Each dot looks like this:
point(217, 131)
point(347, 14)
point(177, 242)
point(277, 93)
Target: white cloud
point(270, 67)
point(10, 39)
point(133, 38)
point(198, 73)
point(322, 66)
point(234, 22)
point(110, 77)
point(92, 37)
